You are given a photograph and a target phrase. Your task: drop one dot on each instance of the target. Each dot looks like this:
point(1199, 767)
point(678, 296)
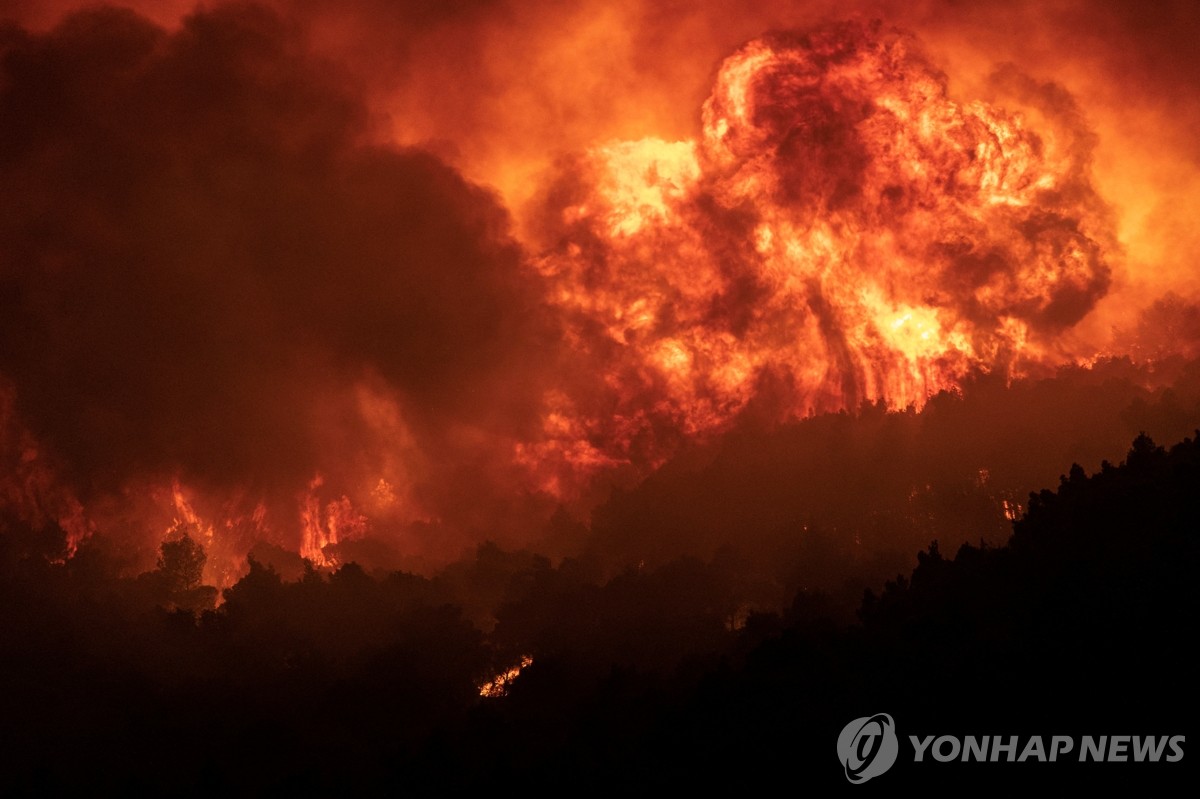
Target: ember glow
point(289, 273)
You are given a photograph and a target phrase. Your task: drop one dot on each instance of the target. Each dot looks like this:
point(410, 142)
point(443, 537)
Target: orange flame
point(842, 227)
point(498, 685)
point(322, 527)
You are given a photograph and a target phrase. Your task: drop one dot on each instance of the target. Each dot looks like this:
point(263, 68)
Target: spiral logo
point(868, 747)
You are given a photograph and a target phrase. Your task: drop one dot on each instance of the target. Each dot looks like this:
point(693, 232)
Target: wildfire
point(228, 530)
point(839, 229)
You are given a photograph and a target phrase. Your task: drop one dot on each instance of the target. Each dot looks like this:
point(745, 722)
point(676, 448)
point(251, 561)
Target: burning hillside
point(254, 289)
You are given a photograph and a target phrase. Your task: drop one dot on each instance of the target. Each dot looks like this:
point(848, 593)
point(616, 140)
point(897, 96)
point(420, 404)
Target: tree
point(181, 562)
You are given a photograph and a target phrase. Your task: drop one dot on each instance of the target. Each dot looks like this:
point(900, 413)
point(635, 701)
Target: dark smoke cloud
point(202, 264)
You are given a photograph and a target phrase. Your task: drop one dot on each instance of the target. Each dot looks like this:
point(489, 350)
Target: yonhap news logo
point(868, 747)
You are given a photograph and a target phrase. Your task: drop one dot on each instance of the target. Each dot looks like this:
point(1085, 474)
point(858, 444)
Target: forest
point(667, 671)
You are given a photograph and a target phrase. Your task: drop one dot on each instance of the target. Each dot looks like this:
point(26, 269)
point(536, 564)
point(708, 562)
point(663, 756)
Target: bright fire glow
point(498, 685)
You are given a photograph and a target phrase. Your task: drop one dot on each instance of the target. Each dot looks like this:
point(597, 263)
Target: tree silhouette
point(181, 562)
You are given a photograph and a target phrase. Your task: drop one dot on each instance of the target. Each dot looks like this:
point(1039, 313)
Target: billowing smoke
point(206, 275)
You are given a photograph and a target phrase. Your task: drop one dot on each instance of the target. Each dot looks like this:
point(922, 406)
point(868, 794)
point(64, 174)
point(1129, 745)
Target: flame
point(642, 179)
point(228, 533)
point(498, 685)
point(842, 226)
point(225, 530)
point(187, 517)
point(321, 527)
